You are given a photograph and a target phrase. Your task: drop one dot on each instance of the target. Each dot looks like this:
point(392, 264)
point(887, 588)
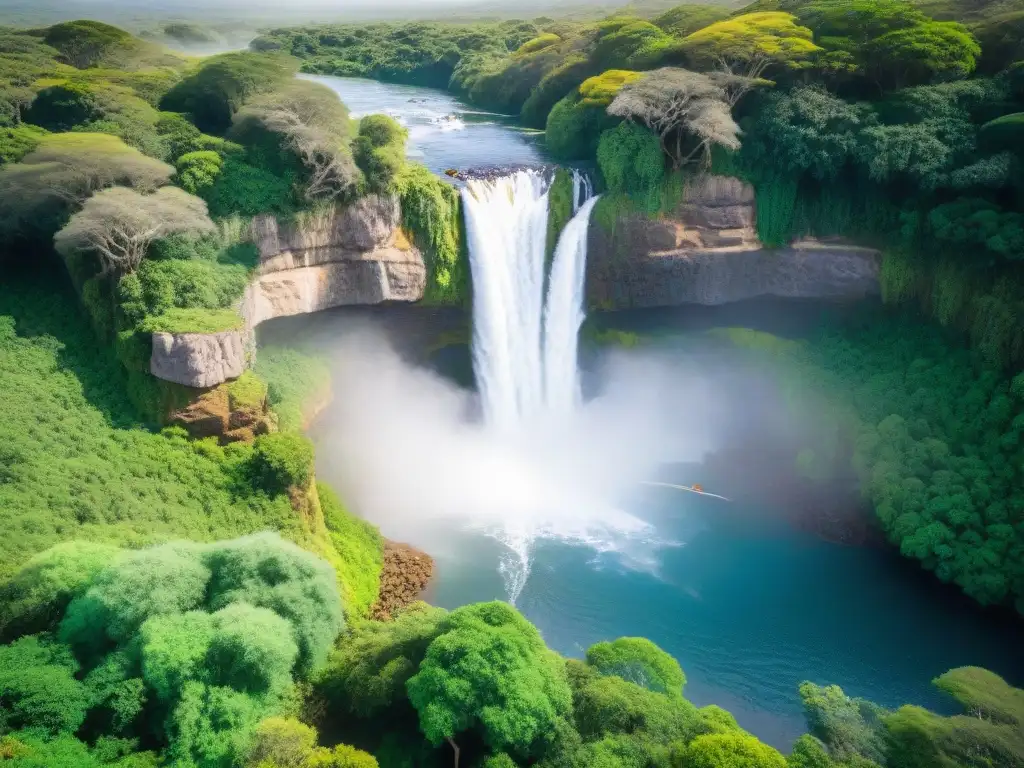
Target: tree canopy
point(488, 668)
point(119, 224)
point(750, 44)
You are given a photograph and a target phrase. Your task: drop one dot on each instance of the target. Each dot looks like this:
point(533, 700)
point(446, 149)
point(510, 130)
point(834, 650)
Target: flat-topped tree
point(751, 44)
point(63, 170)
point(119, 224)
point(84, 43)
point(924, 53)
point(223, 84)
point(688, 112)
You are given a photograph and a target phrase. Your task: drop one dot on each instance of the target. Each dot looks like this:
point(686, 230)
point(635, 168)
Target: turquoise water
point(750, 606)
point(443, 131)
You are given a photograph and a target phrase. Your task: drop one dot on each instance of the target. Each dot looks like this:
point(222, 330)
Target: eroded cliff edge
point(706, 251)
point(332, 258)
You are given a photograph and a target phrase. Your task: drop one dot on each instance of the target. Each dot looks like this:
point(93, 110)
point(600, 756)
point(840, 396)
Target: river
point(748, 605)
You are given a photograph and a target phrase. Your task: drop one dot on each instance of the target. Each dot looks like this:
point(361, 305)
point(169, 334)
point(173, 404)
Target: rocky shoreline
point(405, 576)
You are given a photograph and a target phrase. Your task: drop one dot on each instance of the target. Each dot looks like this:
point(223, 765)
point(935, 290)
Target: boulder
point(198, 359)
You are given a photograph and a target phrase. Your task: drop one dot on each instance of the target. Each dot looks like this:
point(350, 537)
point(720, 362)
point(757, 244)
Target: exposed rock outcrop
point(403, 579)
point(198, 359)
point(335, 257)
point(707, 252)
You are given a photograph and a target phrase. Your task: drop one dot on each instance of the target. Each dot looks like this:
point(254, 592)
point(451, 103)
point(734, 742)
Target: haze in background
point(255, 14)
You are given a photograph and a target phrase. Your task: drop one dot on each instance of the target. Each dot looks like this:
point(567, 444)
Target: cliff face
point(338, 257)
point(706, 251)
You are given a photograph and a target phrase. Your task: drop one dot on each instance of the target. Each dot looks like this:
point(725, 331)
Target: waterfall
point(524, 348)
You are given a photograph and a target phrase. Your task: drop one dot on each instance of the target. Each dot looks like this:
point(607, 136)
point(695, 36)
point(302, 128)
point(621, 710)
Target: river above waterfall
point(444, 132)
point(749, 606)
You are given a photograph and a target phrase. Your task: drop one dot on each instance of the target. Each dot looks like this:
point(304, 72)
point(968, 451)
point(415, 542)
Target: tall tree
point(489, 670)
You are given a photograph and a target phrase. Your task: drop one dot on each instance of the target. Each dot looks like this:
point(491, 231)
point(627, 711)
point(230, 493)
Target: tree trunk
point(455, 749)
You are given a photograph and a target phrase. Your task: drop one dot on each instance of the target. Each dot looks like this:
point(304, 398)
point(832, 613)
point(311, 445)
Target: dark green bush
point(158, 286)
point(221, 85)
point(38, 688)
point(62, 107)
point(84, 43)
point(379, 151)
point(574, 129)
point(282, 461)
point(630, 158)
point(246, 190)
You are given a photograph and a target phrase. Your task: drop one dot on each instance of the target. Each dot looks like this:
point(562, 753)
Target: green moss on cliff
point(560, 202)
point(432, 216)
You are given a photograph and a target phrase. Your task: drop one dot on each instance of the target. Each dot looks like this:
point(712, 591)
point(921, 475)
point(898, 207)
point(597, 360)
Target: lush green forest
point(173, 601)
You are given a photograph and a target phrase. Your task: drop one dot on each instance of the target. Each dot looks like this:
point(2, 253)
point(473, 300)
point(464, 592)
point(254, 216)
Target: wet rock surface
point(406, 573)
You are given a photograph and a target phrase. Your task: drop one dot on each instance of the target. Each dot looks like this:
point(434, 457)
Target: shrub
point(282, 461)
point(151, 582)
point(1004, 133)
point(38, 688)
point(18, 141)
point(251, 649)
point(62, 107)
point(630, 158)
point(573, 130)
point(367, 673)
point(267, 572)
point(35, 597)
point(159, 286)
point(309, 122)
point(244, 190)
point(639, 661)
point(731, 750)
point(379, 151)
point(281, 742)
point(544, 40)
point(222, 84)
point(198, 170)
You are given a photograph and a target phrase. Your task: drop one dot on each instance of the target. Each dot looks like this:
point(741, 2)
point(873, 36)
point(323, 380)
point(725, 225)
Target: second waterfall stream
point(526, 316)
